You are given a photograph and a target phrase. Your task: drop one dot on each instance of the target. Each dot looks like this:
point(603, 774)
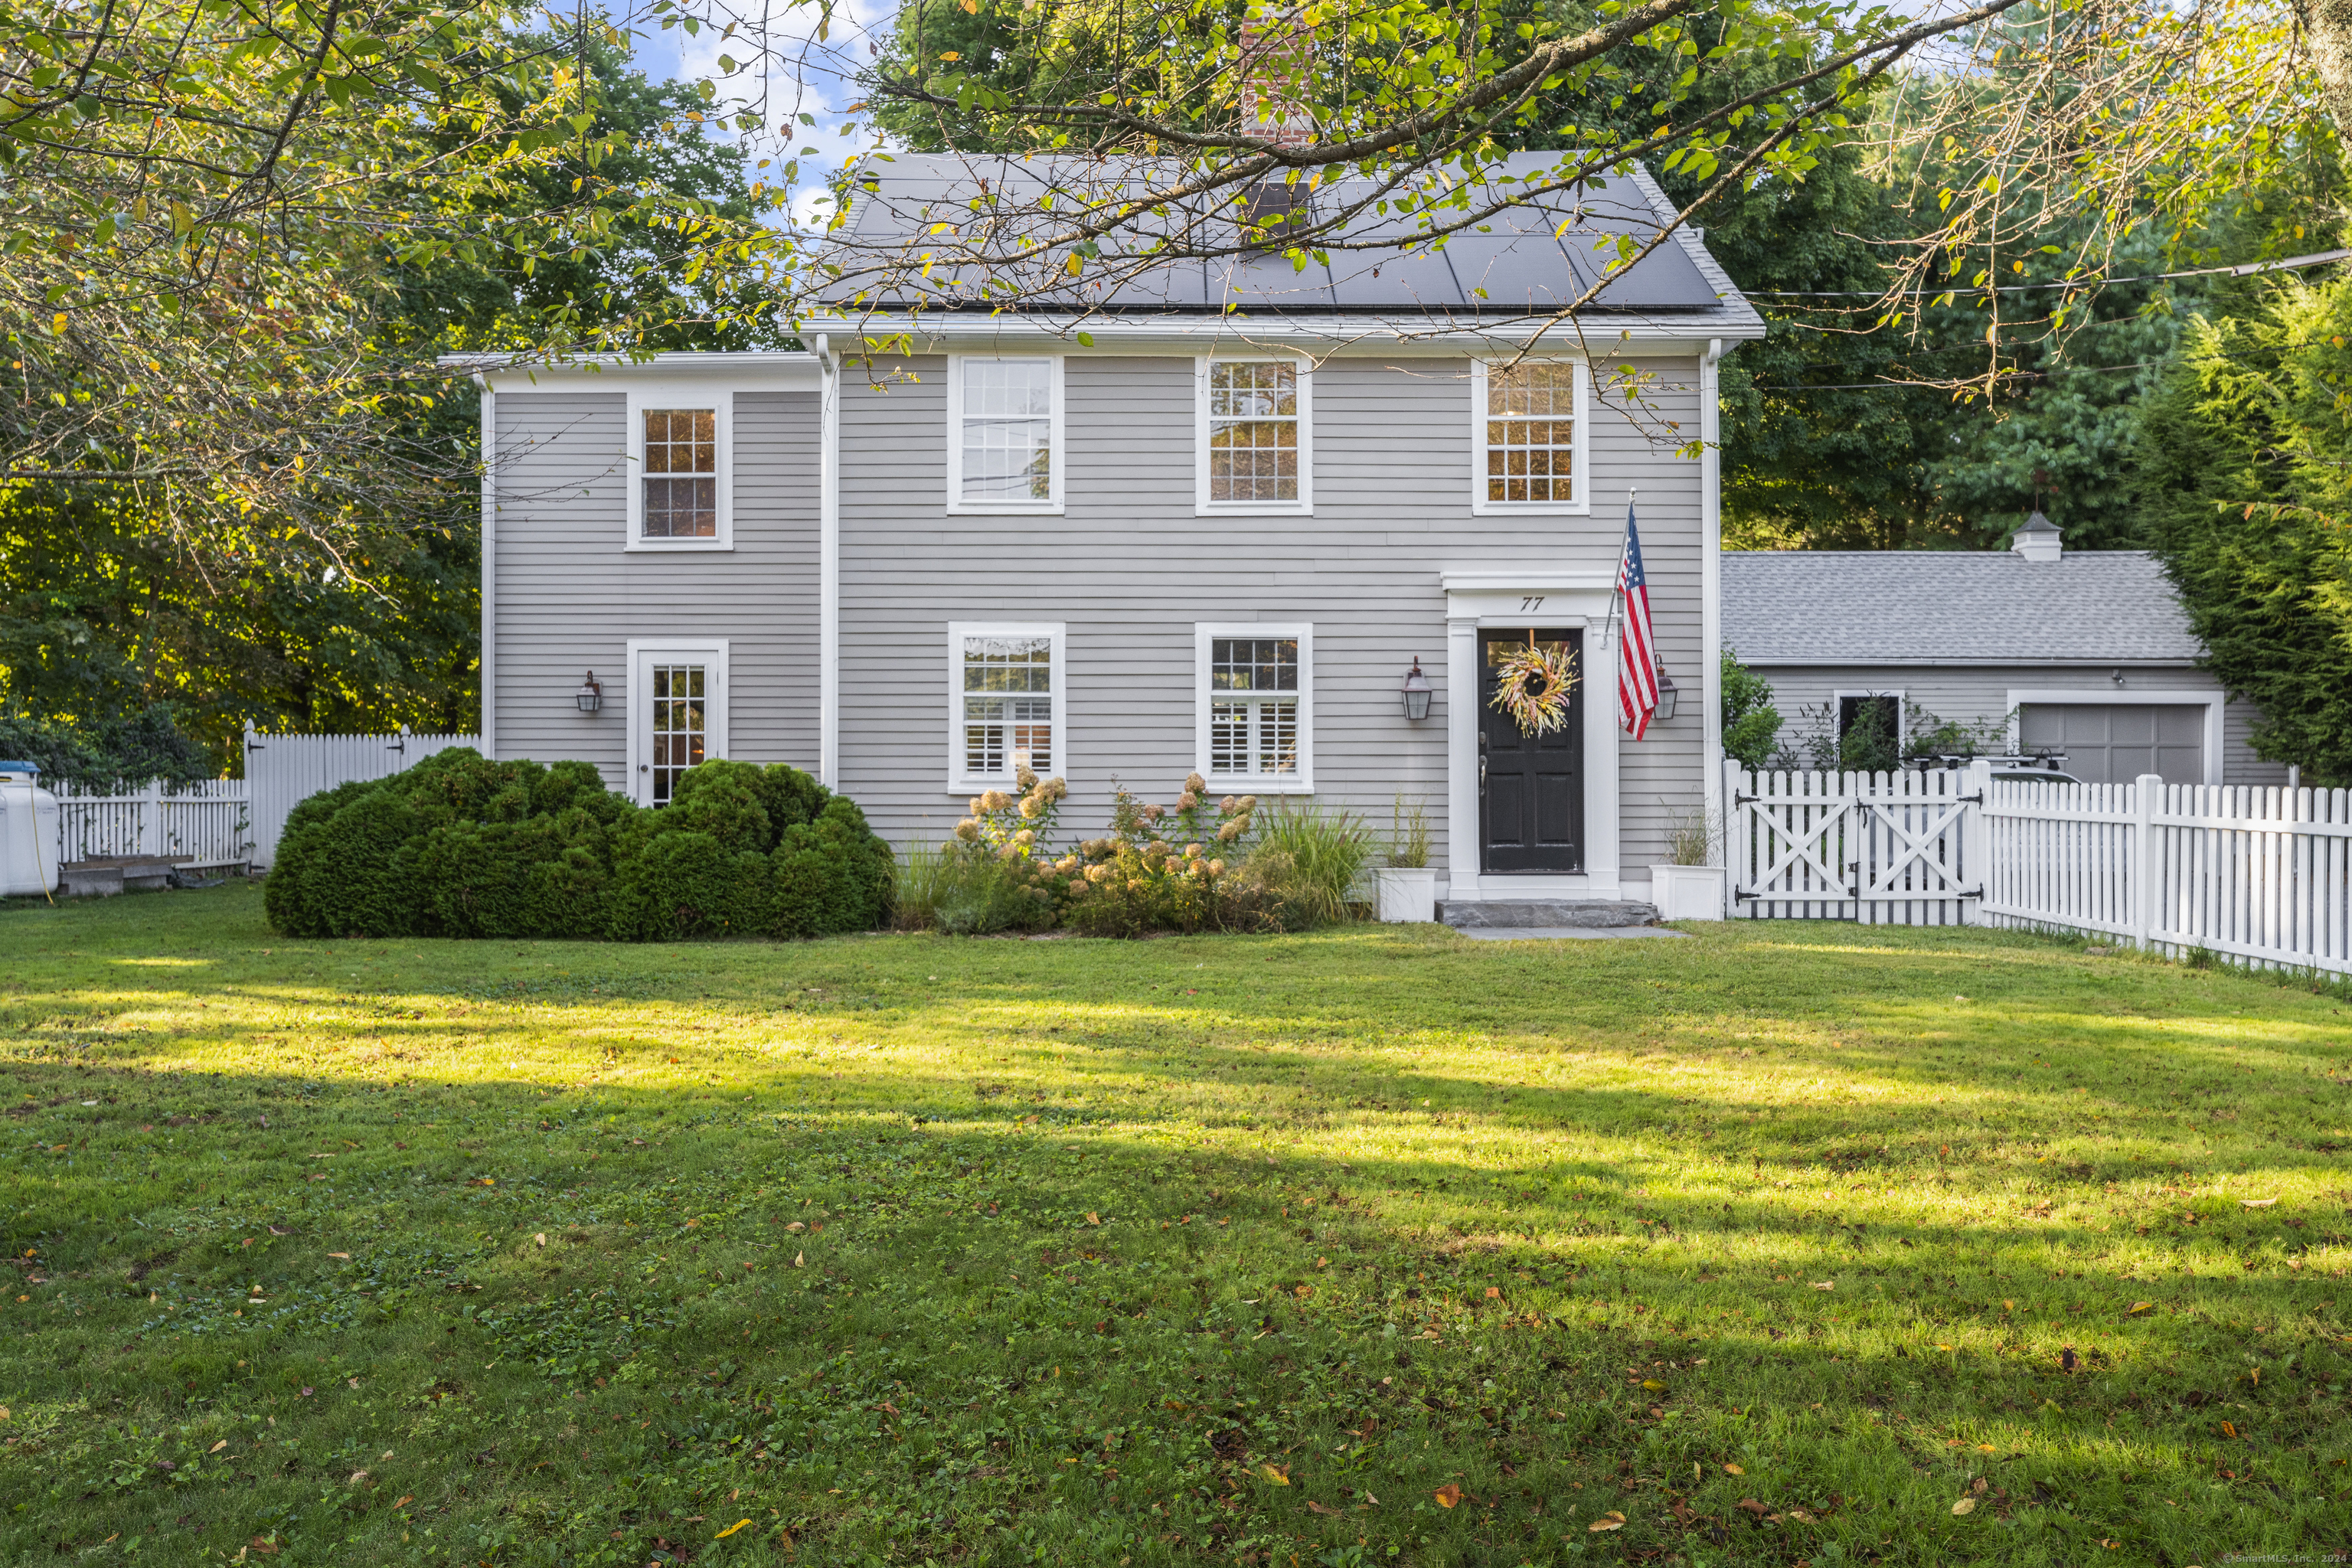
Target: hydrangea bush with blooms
point(1160, 869)
point(1015, 827)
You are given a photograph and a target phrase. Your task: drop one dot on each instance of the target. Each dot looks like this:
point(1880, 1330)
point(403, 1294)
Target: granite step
point(1531, 913)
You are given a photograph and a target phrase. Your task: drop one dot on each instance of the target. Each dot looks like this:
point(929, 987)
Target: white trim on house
point(2214, 702)
point(1902, 710)
point(1710, 590)
point(1581, 470)
point(711, 652)
point(1302, 780)
point(490, 655)
point(1577, 600)
point(675, 394)
point(960, 780)
point(828, 571)
point(1058, 456)
point(1201, 505)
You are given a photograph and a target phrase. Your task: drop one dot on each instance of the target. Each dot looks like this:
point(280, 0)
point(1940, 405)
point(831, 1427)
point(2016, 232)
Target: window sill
point(1005, 509)
point(970, 787)
point(1530, 509)
point(676, 546)
point(1253, 509)
point(1278, 783)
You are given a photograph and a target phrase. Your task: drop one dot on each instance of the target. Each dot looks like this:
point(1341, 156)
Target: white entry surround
point(1556, 598)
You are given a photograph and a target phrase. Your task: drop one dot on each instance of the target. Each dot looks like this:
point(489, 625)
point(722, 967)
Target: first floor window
point(680, 731)
point(1255, 685)
point(681, 476)
point(1252, 705)
point(1008, 703)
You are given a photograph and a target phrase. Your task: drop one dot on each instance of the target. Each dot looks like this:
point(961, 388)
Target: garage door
point(2114, 742)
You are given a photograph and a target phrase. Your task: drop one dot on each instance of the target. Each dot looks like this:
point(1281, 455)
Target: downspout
point(487, 662)
point(829, 568)
point(1710, 579)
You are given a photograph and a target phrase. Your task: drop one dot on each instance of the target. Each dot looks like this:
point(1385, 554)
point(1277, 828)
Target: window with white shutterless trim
point(1007, 702)
point(677, 711)
point(1255, 435)
point(1254, 725)
point(1527, 435)
point(681, 460)
point(1005, 433)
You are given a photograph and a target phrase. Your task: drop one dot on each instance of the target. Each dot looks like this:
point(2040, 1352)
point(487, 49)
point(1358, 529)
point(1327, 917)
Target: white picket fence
point(221, 822)
point(284, 771)
point(202, 824)
point(1881, 848)
point(2260, 876)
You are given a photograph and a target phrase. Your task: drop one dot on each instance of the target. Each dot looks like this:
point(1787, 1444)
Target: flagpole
point(1616, 583)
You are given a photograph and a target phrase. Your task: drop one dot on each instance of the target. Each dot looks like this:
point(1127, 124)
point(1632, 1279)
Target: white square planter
point(1408, 894)
point(1687, 892)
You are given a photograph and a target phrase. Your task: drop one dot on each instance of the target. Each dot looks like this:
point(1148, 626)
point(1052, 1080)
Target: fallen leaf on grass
point(1825, 1285)
point(264, 1547)
point(797, 1257)
point(1448, 1495)
point(2256, 1202)
point(1653, 1384)
point(1966, 1505)
point(1612, 1520)
point(344, 1256)
point(1750, 1505)
point(1272, 1474)
point(216, 1448)
point(730, 1530)
point(1318, 1508)
point(1093, 1218)
point(2138, 1307)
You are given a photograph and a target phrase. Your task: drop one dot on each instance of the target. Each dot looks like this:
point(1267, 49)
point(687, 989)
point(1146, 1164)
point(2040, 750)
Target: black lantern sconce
point(590, 695)
point(1666, 692)
point(1415, 691)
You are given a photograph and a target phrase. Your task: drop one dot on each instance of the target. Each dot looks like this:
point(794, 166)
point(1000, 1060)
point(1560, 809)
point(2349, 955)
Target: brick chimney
point(1275, 66)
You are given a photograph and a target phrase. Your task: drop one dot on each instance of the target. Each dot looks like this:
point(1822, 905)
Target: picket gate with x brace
point(1900, 848)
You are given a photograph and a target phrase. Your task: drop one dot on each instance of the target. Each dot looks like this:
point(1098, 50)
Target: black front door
point(1530, 787)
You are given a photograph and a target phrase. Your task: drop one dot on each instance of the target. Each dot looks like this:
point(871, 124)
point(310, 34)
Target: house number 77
point(1532, 604)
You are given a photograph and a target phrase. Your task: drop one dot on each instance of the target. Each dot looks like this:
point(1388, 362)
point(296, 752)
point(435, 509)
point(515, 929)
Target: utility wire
point(2320, 258)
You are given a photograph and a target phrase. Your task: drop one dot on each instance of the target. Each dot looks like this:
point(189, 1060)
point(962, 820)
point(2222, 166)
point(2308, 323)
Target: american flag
point(1637, 677)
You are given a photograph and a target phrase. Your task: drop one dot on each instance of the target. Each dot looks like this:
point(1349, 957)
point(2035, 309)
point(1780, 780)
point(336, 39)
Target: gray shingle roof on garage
point(1919, 606)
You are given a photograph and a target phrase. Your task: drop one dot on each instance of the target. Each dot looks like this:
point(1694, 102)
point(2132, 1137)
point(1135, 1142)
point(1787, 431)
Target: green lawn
point(1371, 1245)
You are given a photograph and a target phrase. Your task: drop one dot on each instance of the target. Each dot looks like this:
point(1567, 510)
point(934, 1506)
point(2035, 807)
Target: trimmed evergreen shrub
point(460, 846)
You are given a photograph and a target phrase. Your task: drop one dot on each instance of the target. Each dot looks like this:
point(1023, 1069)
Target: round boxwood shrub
point(461, 846)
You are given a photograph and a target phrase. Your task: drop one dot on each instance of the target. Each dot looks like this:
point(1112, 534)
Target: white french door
point(677, 713)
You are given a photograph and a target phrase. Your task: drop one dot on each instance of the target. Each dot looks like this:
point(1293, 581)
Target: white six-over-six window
point(1254, 433)
point(1006, 702)
point(680, 460)
point(1005, 433)
point(1527, 435)
point(1255, 706)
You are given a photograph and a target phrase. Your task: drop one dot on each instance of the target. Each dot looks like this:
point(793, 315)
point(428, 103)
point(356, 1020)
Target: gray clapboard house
point(1215, 537)
point(2084, 653)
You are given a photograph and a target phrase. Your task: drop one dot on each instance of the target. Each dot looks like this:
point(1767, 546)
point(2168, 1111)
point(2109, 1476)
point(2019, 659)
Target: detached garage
point(2085, 653)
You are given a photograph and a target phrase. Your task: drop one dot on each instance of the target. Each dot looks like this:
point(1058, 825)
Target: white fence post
point(1976, 863)
point(2147, 793)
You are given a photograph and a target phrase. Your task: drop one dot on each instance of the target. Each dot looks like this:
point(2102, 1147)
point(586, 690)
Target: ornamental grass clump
point(1309, 861)
point(995, 874)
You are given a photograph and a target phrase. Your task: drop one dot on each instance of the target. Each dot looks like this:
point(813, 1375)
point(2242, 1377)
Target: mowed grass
point(1788, 1243)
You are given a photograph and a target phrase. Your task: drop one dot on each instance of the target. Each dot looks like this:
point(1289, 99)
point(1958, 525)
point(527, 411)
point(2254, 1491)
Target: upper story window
point(1527, 423)
point(1256, 442)
point(1004, 434)
point(680, 451)
point(1006, 703)
point(1256, 708)
point(681, 473)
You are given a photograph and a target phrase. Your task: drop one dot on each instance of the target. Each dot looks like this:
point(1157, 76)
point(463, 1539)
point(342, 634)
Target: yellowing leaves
point(1653, 1386)
point(1274, 1474)
point(1967, 1505)
point(1733, 1470)
point(1612, 1519)
point(2136, 1308)
point(1448, 1495)
point(730, 1530)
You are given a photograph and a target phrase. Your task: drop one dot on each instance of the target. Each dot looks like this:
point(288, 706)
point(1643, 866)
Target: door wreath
point(1533, 686)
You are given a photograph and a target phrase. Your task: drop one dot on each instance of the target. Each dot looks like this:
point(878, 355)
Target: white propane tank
point(28, 832)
